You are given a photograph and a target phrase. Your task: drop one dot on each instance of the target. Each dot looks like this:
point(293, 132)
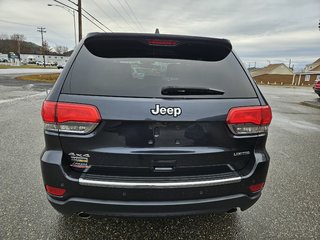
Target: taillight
point(70, 117)
point(249, 120)
point(58, 192)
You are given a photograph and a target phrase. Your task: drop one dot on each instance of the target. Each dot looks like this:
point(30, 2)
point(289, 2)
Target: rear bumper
point(153, 209)
point(147, 200)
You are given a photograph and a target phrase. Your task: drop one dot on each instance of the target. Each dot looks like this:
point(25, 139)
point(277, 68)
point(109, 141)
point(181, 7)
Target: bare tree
point(61, 49)
point(4, 36)
point(18, 38)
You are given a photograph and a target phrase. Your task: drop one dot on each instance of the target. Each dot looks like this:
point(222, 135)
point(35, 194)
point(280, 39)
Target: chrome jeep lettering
point(171, 111)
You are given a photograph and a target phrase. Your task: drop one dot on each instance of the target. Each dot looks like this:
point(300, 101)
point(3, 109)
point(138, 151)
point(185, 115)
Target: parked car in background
point(316, 87)
point(51, 64)
point(61, 65)
point(4, 60)
point(24, 62)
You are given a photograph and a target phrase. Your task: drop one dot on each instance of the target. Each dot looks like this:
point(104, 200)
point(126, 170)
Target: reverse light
point(249, 120)
point(70, 117)
point(256, 187)
point(58, 192)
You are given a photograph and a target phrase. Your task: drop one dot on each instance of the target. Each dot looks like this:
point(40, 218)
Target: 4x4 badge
point(171, 111)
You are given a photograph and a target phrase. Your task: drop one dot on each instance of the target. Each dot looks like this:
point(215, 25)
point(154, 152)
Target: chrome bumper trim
point(152, 185)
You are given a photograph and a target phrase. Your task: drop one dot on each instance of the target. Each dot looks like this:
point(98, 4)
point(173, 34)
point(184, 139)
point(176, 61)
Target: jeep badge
point(171, 111)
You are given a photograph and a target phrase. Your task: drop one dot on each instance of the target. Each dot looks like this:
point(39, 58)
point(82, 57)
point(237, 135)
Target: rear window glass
point(147, 76)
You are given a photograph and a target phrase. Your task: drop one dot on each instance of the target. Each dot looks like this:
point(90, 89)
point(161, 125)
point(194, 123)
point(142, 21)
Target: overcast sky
point(260, 31)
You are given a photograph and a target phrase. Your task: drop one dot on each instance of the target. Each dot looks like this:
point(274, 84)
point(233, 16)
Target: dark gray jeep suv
point(154, 125)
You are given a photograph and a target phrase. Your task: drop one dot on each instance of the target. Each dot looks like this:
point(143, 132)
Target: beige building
point(310, 73)
point(315, 66)
point(273, 74)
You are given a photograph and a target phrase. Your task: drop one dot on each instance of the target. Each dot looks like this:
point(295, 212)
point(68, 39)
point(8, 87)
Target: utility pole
point(290, 63)
point(42, 30)
point(80, 20)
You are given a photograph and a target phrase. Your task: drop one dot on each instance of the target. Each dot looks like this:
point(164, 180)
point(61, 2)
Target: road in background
point(288, 209)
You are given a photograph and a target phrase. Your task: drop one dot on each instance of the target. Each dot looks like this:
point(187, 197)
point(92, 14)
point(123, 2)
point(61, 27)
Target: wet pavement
point(288, 209)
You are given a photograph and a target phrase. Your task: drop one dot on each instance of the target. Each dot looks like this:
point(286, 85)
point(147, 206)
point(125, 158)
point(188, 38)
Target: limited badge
point(237, 154)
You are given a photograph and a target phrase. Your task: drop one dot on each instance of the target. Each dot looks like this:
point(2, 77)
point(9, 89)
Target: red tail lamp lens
point(257, 187)
point(66, 117)
point(58, 192)
point(249, 120)
point(67, 112)
point(257, 115)
point(48, 111)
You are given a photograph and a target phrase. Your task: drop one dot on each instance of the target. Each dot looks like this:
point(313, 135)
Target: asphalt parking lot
point(288, 209)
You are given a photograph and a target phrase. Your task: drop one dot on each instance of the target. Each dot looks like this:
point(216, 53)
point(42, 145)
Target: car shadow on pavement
point(212, 226)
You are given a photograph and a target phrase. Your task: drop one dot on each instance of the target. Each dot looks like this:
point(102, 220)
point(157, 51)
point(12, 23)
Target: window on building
point(307, 78)
point(318, 77)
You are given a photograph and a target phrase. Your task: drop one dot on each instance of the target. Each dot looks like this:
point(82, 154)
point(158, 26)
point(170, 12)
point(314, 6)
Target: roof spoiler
point(130, 45)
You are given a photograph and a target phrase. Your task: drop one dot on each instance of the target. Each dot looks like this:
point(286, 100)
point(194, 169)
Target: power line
point(72, 2)
point(29, 25)
point(116, 10)
point(105, 13)
point(85, 15)
point(22, 24)
point(74, 9)
point(128, 13)
point(93, 23)
point(97, 20)
point(134, 15)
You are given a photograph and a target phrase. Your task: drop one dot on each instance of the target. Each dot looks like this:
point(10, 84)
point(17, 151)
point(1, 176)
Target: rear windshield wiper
point(190, 91)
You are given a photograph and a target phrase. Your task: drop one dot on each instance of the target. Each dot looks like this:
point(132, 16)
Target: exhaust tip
point(84, 215)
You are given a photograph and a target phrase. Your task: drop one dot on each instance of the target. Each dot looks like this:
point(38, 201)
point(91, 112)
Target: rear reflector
point(249, 120)
point(159, 42)
point(58, 192)
point(257, 187)
point(70, 117)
